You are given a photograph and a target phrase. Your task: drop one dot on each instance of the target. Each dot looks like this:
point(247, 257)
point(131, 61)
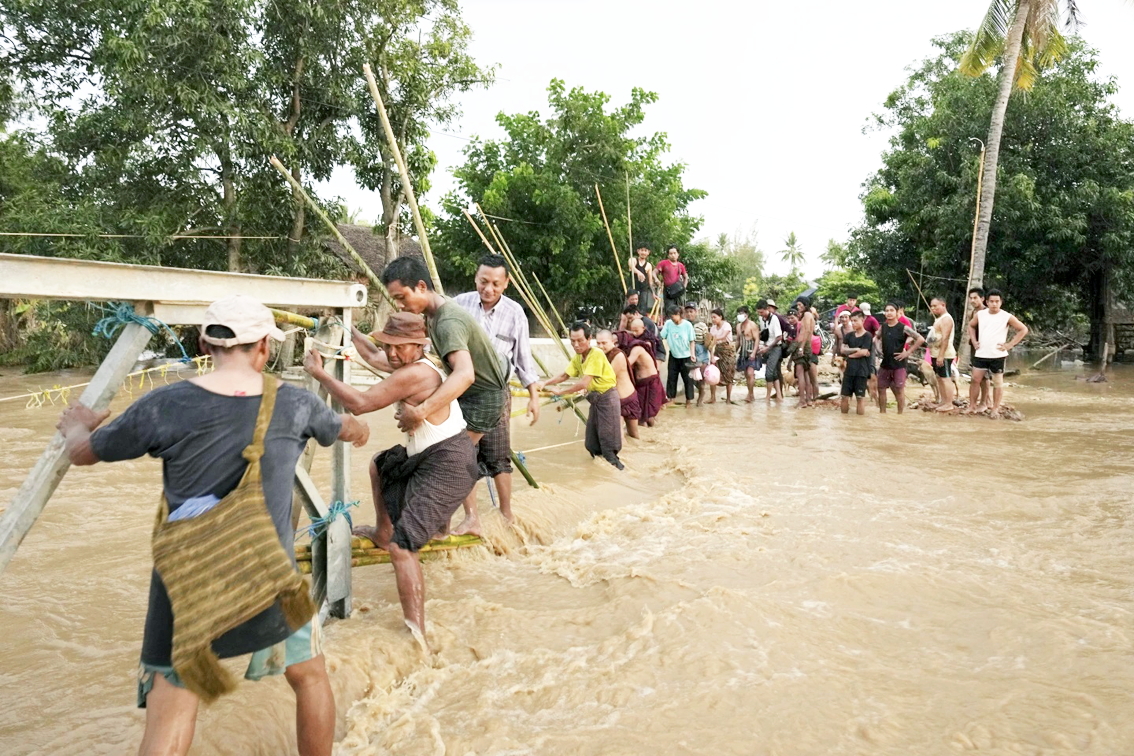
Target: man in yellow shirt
point(596, 377)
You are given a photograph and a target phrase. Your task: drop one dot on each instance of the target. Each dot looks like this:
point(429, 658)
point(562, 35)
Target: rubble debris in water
point(1007, 411)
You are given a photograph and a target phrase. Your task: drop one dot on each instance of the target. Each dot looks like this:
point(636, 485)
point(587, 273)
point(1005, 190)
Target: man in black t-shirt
point(199, 429)
point(856, 347)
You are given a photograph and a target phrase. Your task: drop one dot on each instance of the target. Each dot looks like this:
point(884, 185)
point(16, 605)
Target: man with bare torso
point(803, 356)
point(647, 382)
point(627, 395)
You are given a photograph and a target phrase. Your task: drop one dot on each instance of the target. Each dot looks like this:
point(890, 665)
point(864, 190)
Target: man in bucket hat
point(417, 486)
point(200, 428)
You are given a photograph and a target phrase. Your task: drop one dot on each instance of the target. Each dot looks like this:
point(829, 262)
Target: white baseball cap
point(244, 316)
point(865, 307)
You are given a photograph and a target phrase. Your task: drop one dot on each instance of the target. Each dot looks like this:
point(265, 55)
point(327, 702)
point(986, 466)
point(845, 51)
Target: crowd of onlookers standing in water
point(872, 355)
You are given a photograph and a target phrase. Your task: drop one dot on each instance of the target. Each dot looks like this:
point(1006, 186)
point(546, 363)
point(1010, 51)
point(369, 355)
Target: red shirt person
point(672, 272)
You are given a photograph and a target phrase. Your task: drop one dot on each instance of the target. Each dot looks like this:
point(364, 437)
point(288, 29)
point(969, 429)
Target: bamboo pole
point(366, 269)
point(917, 287)
point(629, 226)
point(516, 264)
point(610, 236)
point(283, 316)
point(411, 198)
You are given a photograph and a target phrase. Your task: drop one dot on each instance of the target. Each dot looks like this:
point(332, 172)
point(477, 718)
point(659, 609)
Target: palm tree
point(1025, 35)
point(793, 254)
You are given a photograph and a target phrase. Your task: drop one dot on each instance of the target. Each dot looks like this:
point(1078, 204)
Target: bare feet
point(750, 399)
point(375, 535)
point(469, 526)
point(995, 414)
point(945, 407)
point(711, 401)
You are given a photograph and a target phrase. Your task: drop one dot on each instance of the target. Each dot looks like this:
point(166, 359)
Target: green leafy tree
point(542, 176)
point(836, 255)
point(165, 115)
point(835, 285)
point(792, 252)
point(783, 289)
point(1066, 196)
point(744, 251)
point(1024, 35)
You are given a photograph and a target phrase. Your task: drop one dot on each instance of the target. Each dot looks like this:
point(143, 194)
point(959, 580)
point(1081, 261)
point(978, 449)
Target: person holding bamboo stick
point(642, 274)
point(506, 324)
point(596, 377)
point(420, 484)
point(229, 441)
point(476, 376)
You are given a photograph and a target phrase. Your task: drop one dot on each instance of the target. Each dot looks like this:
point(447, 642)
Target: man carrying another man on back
point(222, 436)
point(419, 485)
point(476, 375)
point(992, 348)
point(504, 321)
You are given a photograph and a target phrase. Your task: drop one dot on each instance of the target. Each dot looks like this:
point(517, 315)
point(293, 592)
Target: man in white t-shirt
point(771, 349)
point(992, 349)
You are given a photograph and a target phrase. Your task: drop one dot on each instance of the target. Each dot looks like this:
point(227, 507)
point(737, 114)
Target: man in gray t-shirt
point(199, 429)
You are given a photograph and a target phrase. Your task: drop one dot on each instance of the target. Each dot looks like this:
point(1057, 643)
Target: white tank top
point(993, 331)
point(427, 434)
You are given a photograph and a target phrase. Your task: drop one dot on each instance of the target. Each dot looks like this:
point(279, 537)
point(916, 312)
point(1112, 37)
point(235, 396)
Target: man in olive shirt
point(476, 376)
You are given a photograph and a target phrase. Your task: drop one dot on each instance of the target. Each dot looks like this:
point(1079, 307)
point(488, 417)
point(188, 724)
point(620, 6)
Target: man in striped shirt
point(506, 324)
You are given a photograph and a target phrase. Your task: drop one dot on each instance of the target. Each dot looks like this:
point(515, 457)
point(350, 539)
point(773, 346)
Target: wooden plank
point(338, 533)
point(45, 476)
point(28, 276)
point(306, 492)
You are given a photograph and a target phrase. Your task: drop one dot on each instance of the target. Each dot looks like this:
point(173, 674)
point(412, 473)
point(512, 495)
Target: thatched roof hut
point(370, 246)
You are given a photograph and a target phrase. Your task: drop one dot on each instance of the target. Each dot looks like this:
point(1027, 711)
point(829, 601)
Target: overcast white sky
point(765, 102)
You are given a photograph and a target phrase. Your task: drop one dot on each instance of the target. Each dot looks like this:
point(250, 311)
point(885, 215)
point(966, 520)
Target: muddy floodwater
point(760, 580)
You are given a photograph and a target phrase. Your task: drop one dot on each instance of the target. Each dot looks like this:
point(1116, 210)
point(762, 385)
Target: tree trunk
point(992, 157)
point(295, 236)
point(231, 224)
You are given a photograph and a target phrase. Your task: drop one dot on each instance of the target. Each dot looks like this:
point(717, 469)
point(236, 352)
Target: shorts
point(814, 359)
point(702, 354)
point(772, 362)
point(482, 409)
point(993, 365)
point(944, 371)
point(854, 384)
point(303, 645)
point(891, 378)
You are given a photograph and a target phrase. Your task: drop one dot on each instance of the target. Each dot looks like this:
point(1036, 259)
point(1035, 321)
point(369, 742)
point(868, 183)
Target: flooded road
point(760, 580)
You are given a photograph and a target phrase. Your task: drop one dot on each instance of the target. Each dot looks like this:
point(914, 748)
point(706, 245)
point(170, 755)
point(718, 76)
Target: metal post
point(45, 477)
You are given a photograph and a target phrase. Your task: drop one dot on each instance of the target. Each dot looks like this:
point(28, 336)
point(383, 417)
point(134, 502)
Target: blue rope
point(319, 525)
point(520, 456)
point(120, 314)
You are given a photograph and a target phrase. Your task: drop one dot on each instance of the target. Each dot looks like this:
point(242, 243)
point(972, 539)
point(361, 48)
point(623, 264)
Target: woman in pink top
point(724, 354)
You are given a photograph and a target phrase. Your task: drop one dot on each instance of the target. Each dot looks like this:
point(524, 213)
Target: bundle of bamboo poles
point(364, 552)
point(527, 292)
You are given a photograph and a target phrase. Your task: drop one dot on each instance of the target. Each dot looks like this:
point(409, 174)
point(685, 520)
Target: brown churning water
point(760, 581)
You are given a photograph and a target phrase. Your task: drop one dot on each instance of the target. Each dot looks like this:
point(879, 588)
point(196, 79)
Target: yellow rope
point(62, 394)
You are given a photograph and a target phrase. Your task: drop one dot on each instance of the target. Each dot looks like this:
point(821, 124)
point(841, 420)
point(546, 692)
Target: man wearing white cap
point(201, 429)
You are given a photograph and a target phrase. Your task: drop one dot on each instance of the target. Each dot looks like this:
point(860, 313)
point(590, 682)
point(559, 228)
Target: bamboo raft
point(363, 552)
